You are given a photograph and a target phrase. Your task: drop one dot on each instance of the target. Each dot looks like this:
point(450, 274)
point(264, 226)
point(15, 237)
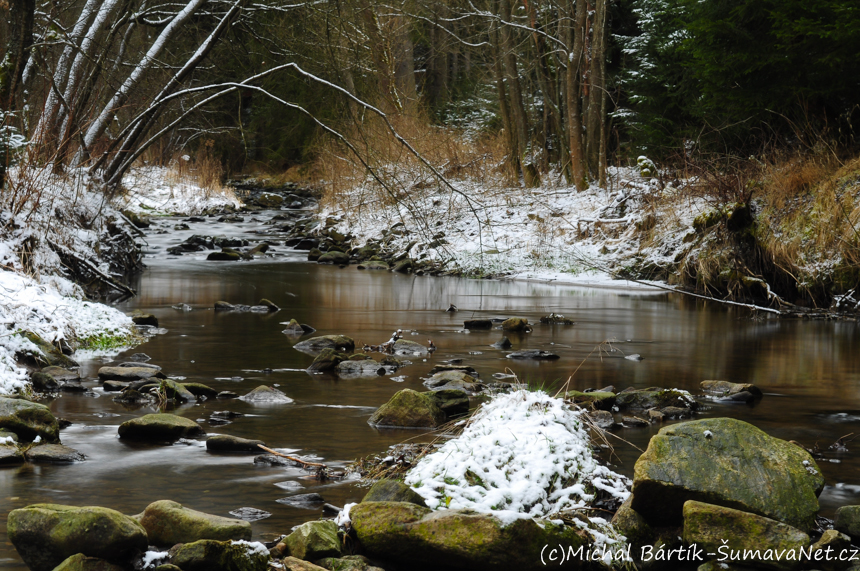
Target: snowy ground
point(550, 233)
point(41, 212)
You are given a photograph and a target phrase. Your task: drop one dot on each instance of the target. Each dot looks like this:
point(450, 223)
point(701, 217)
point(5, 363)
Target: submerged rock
point(533, 354)
point(503, 343)
point(168, 523)
point(478, 324)
point(10, 455)
point(712, 527)
point(129, 373)
point(54, 454)
point(314, 540)
point(327, 360)
point(334, 257)
point(405, 533)
point(293, 328)
point(227, 443)
point(47, 534)
point(266, 395)
point(729, 463)
point(317, 344)
point(516, 324)
point(144, 319)
point(159, 427)
point(373, 265)
point(200, 390)
point(210, 555)
point(408, 408)
point(28, 420)
point(725, 388)
point(269, 305)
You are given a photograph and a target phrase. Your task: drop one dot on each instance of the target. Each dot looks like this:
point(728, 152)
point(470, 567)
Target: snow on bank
point(54, 310)
point(551, 233)
point(159, 190)
point(522, 455)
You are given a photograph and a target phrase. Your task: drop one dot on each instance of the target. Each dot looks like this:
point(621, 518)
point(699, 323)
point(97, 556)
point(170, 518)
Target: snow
point(552, 233)
point(54, 310)
point(159, 190)
point(150, 558)
point(342, 519)
point(522, 455)
point(252, 547)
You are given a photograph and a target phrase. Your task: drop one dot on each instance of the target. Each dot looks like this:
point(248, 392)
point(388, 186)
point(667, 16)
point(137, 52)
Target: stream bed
point(808, 370)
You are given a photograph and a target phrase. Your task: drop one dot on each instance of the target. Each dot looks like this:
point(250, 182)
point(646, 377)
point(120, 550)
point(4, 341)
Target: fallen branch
point(68, 256)
point(294, 459)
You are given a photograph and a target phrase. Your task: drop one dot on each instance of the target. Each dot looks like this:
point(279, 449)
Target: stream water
point(809, 371)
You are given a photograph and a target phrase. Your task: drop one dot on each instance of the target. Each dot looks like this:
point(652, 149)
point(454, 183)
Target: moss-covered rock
point(403, 266)
point(200, 390)
point(453, 402)
point(327, 360)
point(129, 374)
point(211, 555)
point(393, 491)
point(730, 463)
point(643, 399)
point(296, 564)
point(713, 527)
point(831, 542)
point(405, 533)
point(632, 525)
point(176, 391)
point(347, 563)
point(726, 388)
point(159, 428)
point(454, 380)
point(594, 400)
point(334, 257)
point(225, 255)
point(314, 254)
point(60, 374)
point(44, 383)
point(47, 534)
point(848, 521)
point(168, 523)
point(80, 562)
point(317, 344)
point(516, 324)
point(373, 265)
point(408, 408)
point(48, 355)
point(314, 540)
point(28, 420)
point(356, 368)
point(53, 454)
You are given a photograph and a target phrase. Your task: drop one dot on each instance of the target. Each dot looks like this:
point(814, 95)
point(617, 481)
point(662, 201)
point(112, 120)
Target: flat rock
point(159, 428)
point(227, 443)
point(129, 373)
point(250, 514)
point(45, 535)
point(478, 324)
point(454, 380)
point(168, 523)
point(726, 388)
point(363, 368)
point(10, 455)
point(61, 374)
point(533, 354)
point(54, 454)
point(266, 395)
point(468, 369)
point(302, 500)
point(730, 463)
point(317, 344)
point(404, 347)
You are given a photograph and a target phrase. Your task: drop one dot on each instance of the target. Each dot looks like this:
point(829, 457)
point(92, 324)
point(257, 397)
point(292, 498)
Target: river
point(809, 371)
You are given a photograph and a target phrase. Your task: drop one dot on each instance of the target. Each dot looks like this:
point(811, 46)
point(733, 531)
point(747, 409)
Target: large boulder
point(643, 399)
point(408, 408)
point(730, 463)
point(713, 527)
point(28, 420)
point(314, 540)
point(47, 534)
point(159, 427)
point(405, 533)
point(80, 562)
point(393, 491)
point(211, 555)
point(317, 344)
point(266, 395)
point(168, 523)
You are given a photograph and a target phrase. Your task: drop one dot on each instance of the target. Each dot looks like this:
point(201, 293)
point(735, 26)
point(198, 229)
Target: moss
point(110, 340)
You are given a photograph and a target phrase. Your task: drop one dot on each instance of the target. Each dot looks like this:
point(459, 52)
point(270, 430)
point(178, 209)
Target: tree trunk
point(518, 111)
point(505, 111)
point(574, 68)
point(20, 28)
point(597, 93)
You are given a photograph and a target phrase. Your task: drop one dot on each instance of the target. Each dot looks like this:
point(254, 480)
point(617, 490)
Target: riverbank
point(57, 235)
